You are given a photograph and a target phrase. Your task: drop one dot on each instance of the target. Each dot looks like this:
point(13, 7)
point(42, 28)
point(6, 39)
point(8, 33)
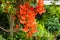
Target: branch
point(4, 29)
point(8, 30)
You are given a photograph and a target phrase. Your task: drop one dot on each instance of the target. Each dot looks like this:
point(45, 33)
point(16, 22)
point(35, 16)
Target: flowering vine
point(27, 15)
point(40, 7)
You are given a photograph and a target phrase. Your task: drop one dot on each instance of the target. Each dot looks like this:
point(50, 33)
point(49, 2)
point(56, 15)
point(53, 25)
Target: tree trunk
point(11, 24)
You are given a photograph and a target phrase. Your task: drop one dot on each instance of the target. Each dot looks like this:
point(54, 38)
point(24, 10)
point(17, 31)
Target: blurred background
point(48, 24)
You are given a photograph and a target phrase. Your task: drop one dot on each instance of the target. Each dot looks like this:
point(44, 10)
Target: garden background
point(48, 23)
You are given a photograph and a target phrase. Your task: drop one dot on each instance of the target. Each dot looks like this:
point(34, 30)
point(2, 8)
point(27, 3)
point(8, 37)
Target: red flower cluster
point(27, 15)
point(40, 7)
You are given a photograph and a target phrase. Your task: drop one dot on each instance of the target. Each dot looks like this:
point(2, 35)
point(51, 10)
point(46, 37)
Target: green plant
point(52, 25)
point(42, 33)
point(1, 38)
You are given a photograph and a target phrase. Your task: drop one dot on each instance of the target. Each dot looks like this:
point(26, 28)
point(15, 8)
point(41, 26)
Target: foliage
point(20, 35)
point(1, 38)
point(53, 10)
point(42, 34)
point(52, 24)
point(47, 24)
point(1, 8)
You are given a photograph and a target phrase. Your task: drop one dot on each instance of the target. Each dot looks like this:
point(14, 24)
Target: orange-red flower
point(17, 26)
point(40, 7)
point(22, 21)
point(27, 15)
point(25, 29)
point(29, 34)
